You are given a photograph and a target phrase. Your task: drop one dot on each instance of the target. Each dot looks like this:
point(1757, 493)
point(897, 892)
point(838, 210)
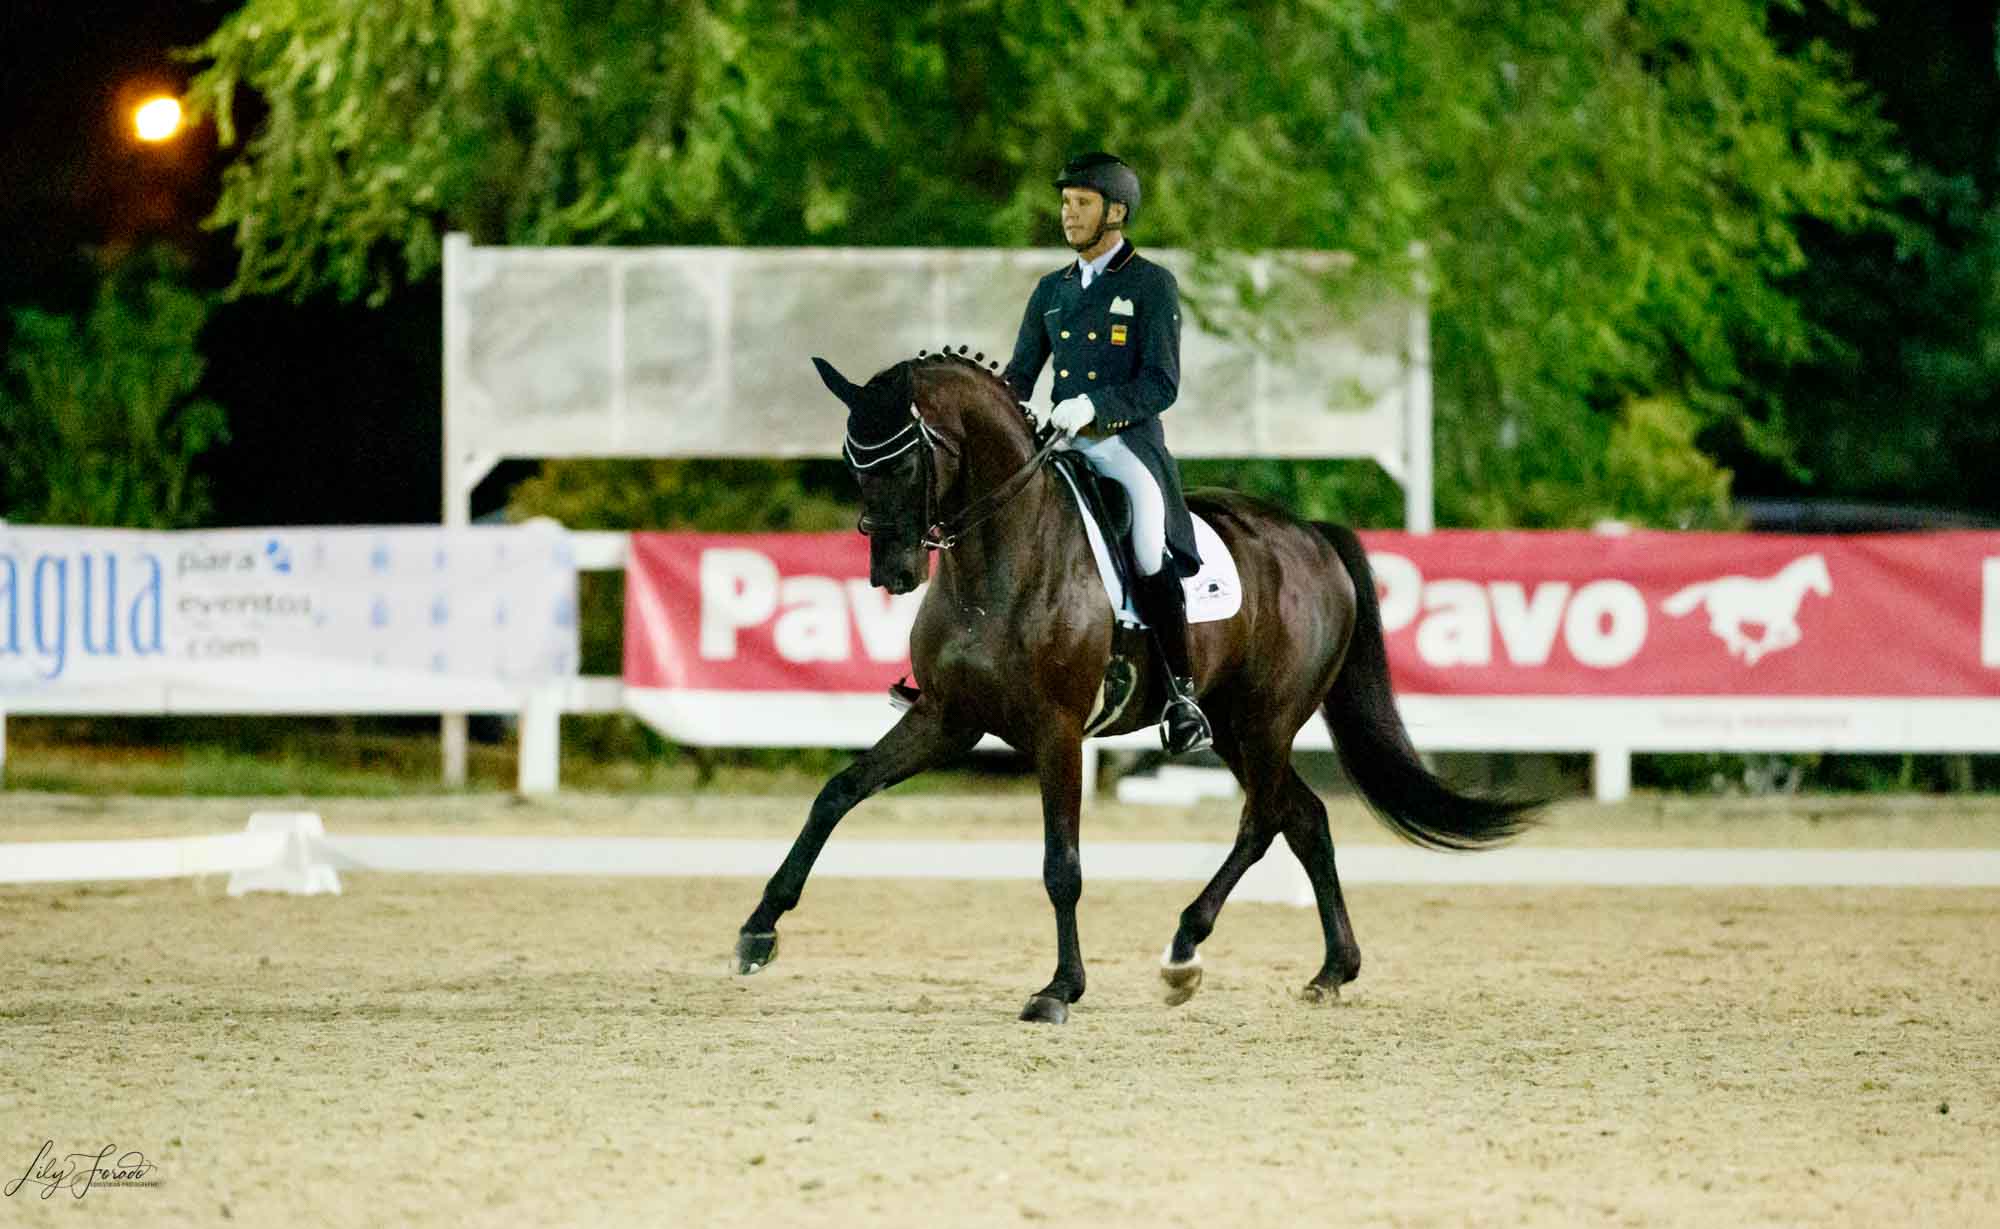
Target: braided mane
point(976, 363)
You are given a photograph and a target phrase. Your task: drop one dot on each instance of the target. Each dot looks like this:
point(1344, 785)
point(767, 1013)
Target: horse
point(1771, 603)
point(1014, 635)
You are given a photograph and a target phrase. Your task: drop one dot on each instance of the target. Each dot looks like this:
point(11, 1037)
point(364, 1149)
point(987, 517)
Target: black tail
point(1375, 748)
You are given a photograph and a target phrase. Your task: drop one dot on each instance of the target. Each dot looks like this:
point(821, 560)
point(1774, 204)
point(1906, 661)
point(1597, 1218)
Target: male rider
point(1112, 322)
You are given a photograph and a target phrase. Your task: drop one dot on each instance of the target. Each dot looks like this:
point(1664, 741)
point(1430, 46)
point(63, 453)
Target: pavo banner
point(1709, 630)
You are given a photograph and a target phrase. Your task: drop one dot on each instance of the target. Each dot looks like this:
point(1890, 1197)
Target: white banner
point(354, 620)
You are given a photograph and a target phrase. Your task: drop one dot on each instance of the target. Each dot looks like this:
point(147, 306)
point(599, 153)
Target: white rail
point(292, 852)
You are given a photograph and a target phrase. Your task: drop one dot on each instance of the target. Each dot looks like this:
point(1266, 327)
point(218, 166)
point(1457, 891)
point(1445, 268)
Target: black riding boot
point(1185, 729)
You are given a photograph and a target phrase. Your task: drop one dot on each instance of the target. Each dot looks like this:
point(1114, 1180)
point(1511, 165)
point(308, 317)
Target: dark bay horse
point(1015, 632)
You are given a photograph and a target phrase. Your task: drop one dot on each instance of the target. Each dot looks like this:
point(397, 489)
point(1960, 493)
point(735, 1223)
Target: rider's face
point(1082, 210)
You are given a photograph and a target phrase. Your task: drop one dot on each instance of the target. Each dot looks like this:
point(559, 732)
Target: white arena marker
point(298, 870)
point(1178, 785)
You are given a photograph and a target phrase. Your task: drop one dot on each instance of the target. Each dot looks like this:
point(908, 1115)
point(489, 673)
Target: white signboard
point(703, 352)
point(353, 620)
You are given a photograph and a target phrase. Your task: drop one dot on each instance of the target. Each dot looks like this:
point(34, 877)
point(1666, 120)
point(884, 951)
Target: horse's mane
point(976, 364)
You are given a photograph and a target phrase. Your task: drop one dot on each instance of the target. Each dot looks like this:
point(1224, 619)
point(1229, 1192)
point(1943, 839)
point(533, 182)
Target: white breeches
point(1115, 461)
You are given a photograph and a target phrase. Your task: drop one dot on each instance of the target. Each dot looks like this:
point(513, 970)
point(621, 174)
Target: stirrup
point(1184, 727)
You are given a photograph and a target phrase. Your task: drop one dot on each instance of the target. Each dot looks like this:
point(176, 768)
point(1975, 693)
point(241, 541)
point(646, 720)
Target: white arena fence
point(292, 852)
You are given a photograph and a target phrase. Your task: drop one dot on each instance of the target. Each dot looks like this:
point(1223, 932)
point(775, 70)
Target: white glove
point(1074, 415)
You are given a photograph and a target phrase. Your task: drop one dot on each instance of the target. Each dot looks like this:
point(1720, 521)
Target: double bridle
point(941, 534)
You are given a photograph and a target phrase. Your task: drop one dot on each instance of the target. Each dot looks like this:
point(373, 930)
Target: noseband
point(940, 534)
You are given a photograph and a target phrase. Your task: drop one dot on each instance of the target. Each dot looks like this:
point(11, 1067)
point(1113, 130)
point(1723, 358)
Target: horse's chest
point(961, 645)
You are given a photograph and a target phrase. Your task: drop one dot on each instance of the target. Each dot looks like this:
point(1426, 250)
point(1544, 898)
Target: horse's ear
point(837, 384)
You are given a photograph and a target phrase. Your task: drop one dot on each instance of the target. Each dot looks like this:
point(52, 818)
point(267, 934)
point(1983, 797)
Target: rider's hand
point(1074, 415)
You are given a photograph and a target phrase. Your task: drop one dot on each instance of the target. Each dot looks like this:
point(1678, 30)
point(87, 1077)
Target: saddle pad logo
point(1117, 334)
point(1770, 604)
point(1121, 307)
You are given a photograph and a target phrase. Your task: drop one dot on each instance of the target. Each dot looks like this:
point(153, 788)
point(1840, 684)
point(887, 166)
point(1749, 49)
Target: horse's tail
point(1686, 599)
point(1375, 748)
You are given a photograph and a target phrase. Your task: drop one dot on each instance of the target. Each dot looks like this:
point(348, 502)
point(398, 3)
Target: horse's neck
point(995, 551)
point(1798, 575)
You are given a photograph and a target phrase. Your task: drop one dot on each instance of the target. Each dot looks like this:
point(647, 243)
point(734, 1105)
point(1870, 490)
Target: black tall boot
point(1184, 728)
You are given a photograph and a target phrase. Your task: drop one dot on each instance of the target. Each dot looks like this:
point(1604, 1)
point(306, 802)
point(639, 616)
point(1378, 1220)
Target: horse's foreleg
point(924, 738)
point(1059, 759)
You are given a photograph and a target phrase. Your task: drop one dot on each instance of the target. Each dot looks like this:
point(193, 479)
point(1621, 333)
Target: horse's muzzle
point(897, 582)
point(898, 569)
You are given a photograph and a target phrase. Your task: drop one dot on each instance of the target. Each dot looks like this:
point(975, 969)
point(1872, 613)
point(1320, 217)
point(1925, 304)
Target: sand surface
point(444, 1051)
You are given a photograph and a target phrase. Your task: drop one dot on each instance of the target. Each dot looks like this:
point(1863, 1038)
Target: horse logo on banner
point(1771, 603)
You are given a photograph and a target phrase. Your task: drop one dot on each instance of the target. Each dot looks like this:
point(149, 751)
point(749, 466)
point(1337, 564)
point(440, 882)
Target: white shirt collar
point(1091, 268)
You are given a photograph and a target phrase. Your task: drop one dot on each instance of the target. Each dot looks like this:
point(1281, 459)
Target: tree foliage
point(99, 421)
point(1908, 388)
point(1604, 196)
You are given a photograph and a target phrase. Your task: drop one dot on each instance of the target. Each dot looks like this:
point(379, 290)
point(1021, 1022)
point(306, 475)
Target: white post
point(1611, 773)
point(1419, 510)
point(457, 503)
point(541, 741)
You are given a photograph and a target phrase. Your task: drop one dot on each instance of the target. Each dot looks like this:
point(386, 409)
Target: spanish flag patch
point(1117, 334)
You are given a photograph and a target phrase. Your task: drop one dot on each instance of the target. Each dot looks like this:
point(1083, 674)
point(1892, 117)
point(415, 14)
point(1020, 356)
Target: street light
point(158, 119)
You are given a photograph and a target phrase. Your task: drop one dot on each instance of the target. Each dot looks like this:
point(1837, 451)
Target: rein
point(943, 534)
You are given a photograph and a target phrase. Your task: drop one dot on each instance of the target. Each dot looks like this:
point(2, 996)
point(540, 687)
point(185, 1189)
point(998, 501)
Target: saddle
point(1105, 502)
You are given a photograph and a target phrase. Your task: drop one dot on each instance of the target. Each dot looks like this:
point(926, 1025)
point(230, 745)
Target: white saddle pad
point(1213, 594)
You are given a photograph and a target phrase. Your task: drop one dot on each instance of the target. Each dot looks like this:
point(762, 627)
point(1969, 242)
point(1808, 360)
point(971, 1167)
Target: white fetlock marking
point(1167, 960)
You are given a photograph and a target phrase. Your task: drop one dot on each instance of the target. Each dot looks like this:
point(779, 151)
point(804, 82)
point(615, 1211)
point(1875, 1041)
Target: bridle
point(941, 534)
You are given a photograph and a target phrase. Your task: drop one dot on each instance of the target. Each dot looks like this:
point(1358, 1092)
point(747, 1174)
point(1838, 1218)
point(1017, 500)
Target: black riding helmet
point(1106, 175)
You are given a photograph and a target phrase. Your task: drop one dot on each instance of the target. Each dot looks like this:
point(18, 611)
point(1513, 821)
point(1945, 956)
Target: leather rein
point(944, 533)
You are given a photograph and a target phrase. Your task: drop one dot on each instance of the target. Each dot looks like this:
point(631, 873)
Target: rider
point(1112, 321)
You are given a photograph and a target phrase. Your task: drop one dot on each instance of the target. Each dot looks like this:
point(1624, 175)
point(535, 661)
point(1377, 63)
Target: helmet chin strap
point(1085, 245)
point(1103, 224)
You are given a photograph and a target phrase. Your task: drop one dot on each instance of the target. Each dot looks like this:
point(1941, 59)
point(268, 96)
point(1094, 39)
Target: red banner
point(1467, 613)
point(761, 612)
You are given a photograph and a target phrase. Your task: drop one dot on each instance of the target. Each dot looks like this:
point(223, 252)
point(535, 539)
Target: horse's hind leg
point(1312, 843)
point(1180, 967)
point(924, 738)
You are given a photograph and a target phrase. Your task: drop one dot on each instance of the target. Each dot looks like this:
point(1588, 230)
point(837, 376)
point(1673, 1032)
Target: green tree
point(100, 423)
point(1906, 387)
point(1607, 193)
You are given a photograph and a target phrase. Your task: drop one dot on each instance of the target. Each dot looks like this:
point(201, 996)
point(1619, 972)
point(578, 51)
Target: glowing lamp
point(158, 119)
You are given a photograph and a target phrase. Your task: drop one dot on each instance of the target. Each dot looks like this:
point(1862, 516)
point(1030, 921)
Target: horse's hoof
point(1182, 979)
point(1319, 992)
point(753, 952)
point(1045, 1009)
